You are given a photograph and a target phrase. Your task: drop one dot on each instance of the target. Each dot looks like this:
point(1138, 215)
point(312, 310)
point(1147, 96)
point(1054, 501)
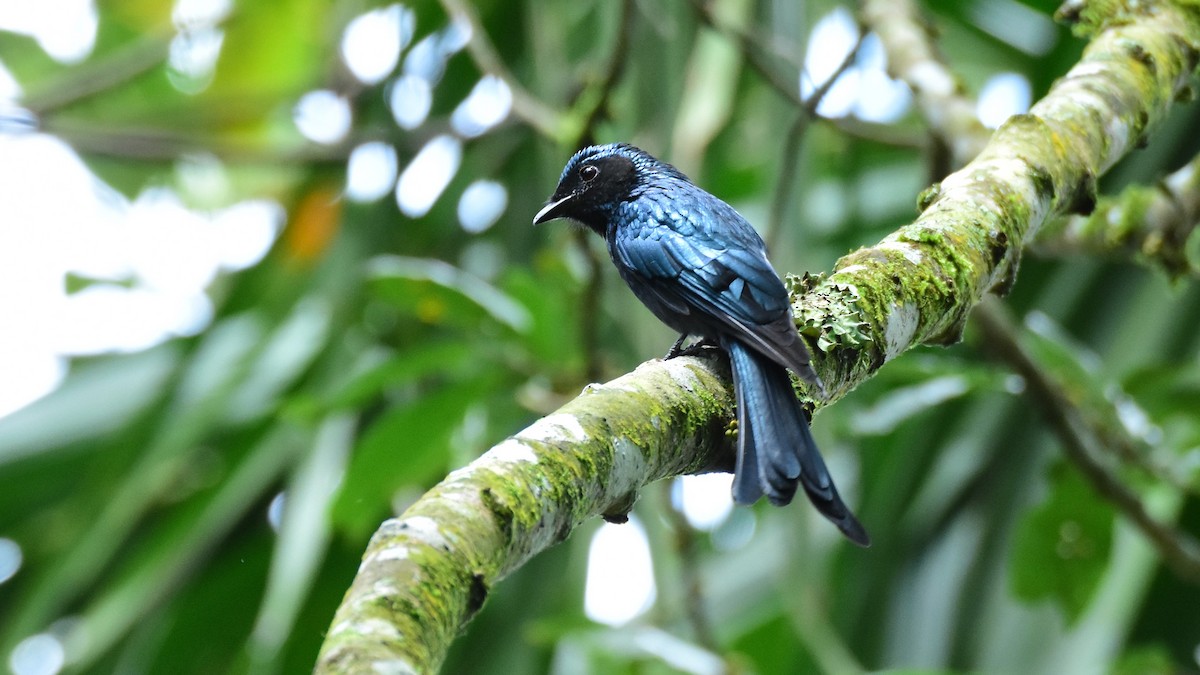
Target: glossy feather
point(703, 270)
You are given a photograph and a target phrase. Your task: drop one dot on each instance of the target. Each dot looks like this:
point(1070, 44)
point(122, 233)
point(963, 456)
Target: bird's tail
point(776, 451)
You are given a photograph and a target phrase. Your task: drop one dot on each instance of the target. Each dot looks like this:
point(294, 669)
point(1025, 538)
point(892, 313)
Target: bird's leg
point(676, 349)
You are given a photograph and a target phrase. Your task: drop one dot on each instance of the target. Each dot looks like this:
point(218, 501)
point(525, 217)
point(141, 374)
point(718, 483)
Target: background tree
point(1028, 490)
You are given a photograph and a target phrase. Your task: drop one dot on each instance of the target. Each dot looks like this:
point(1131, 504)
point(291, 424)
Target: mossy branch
point(918, 285)
point(1155, 224)
point(425, 574)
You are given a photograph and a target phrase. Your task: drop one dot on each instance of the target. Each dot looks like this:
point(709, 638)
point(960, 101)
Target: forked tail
point(776, 452)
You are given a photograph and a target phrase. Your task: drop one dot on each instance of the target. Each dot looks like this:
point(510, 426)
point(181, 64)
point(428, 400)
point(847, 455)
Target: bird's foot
point(704, 349)
point(676, 348)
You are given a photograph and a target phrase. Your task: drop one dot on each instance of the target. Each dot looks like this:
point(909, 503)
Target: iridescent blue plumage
point(703, 270)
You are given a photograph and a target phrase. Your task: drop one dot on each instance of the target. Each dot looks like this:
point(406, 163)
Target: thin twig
point(791, 146)
point(100, 75)
point(592, 291)
point(687, 550)
point(1132, 452)
point(759, 59)
point(913, 59)
point(1083, 442)
point(814, 99)
point(589, 311)
point(883, 134)
point(788, 166)
point(158, 144)
point(749, 45)
point(545, 119)
point(612, 75)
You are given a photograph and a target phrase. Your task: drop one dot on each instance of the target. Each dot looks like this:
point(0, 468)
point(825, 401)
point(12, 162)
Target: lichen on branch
point(1156, 224)
point(919, 284)
point(426, 573)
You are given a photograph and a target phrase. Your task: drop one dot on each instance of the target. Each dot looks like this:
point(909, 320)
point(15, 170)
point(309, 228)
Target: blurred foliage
point(370, 353)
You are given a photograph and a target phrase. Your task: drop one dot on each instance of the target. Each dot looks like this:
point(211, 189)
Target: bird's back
point(702, 268)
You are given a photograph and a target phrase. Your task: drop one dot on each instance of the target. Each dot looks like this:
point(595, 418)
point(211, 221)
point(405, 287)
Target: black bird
point(703, 270)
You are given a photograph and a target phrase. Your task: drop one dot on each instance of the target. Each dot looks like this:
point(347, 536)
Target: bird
point(702, 269)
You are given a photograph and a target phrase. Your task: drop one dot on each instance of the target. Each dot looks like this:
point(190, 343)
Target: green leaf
point(25, 59)
point(98, 398)
point(161, 563)
point(303, 536)
point(1166, 390)
point(553, 299)
point(1061, 548)
point(1146, 660)
point(289, 350)
point(398, 369)
point(407, 446)
point(1080, 370)
point(436, 292)
point(273, 52)
point(906, 402)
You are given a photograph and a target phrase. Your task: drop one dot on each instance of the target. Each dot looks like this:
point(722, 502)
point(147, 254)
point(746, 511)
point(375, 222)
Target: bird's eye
point(589, 173)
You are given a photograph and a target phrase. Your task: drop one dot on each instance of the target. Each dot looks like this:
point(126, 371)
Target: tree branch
point(913, 59)
point(1151, 223)
point(790, 162)
point(425, 574)
point(1155, 221)
point(1083, 443)
point(687, 550)
point(760, 60)
point(919, 283)
point(546, 120)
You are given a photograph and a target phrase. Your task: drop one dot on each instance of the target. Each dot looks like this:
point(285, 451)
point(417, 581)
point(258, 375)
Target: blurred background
point(267, 273)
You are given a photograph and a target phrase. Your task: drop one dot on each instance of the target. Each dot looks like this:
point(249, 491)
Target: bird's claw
point(676, 348)
point(705, 348)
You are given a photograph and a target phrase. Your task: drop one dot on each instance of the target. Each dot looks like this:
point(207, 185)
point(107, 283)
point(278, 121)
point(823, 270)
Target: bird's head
point(596, 180)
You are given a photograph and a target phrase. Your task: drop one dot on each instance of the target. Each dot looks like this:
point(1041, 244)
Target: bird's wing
point(730, 286)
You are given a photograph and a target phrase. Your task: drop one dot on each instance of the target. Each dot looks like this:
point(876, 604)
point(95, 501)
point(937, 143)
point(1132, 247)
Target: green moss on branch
point(425, 574)
point(1154, 224)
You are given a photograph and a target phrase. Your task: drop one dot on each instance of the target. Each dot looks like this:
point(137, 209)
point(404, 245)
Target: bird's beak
point(552, 210)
